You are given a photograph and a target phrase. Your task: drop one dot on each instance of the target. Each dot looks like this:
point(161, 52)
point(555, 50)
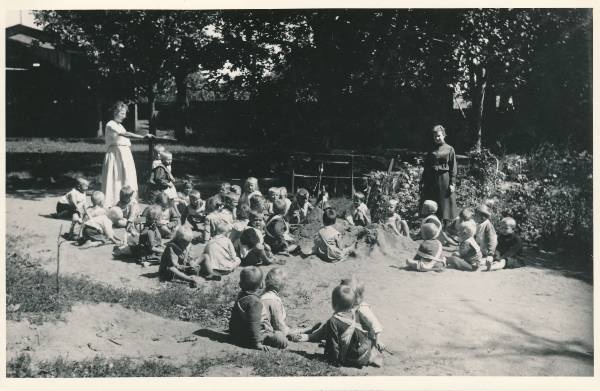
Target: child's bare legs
point(375, 358)
point(495, 265)
point(458, 263)
point(404, 228)
point(206, 270)
point(412, 264)
point(121, 223)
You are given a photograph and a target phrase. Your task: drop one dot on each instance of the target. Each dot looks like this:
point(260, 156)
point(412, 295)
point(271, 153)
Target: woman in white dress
point(118, 169)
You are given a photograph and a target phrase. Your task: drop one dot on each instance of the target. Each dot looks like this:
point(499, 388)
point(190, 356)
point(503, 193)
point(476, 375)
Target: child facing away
point(176, 260)
point(219, 254)
point(429, 255)
point(300, 209)
point(277, 231)
point(394, 221)
point(328, 244)
point(486, 236)
point(509, 247)
point(194, 212)
point(97, 227)
point(245, 323)
point(347, 337)
point(468, 257)
point(224, 212)
point(273, 313)
point(72, 204)
point(161, 178)
point(360, 215)
point(169, 217)
point(128, 209)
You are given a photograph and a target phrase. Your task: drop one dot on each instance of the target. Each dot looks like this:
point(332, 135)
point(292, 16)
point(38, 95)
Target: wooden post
point(293, 179)
point(352, 176)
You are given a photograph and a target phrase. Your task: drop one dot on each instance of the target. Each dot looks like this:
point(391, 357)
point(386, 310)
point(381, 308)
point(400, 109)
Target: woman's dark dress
point(439, 173)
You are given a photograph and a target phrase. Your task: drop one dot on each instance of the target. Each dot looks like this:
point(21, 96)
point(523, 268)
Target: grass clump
point(31, 293)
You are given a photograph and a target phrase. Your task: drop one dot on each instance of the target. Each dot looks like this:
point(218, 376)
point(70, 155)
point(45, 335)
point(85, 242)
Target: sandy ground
point(532, 321)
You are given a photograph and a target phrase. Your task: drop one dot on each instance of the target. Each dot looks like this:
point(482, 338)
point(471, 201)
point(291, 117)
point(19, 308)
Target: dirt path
point(531, 321)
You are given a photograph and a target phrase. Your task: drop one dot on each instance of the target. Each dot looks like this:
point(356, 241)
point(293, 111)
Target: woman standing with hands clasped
point(119, 168)
point(437, 182)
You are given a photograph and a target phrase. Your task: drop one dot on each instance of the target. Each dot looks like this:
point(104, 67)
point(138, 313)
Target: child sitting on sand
point(245, 323)
point(147, 245)
point(97, 226)
point(468, 257)
point(224, 212)
point(252, 248)
point(283, 196)
point(194, 212)
point(161, 178)
point(272, 196)
point(214, 202)
point(509, 246)
point(239, 225)
point(486, 234)
point(465, 215)
point(429, 255)
point(328, 245)
point(273, 314)
point(169, 218)
point(72, 205)
point(250, 190)
point(347, 340)
point(394, 221)
point(277, 231)
point(360, 215)
point(176, 259)
point(219, 253)
point(300, 209)
point(429, 210)
point(127, 208)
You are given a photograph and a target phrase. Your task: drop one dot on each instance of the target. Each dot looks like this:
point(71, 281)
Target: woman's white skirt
point(118, 171)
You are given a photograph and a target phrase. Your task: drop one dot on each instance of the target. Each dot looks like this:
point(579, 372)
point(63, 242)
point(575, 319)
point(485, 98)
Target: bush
point(549, 192)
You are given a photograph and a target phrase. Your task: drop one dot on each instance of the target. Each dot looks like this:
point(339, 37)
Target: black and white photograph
point(298, 192)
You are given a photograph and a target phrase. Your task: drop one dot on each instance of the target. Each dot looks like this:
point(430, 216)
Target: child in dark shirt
point(245, 324)
point(509, 246)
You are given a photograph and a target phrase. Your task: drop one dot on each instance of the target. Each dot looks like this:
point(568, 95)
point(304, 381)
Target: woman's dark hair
point(329, 216)
point(115, 107)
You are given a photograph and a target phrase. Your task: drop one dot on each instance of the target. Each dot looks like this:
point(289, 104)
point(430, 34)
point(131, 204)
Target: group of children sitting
point(241, 227)
point(351, 336)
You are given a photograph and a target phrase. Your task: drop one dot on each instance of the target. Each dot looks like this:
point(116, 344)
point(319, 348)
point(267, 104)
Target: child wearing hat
point(429, 255)
point(468, 257)
point(360, 215)
point(328, 244)
point(300, 209)
point(161, 178)
point(486, 236)
point(509, 247)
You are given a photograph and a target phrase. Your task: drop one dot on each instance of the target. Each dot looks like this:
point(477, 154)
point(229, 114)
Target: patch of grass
point(275, 363)
point(31, 293)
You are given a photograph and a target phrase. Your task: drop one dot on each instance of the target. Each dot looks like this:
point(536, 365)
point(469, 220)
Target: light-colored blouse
point(113, 134)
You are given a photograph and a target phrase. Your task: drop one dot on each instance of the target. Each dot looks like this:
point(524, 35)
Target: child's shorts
point(93, 234)
point(64, 208)
point(254, 257)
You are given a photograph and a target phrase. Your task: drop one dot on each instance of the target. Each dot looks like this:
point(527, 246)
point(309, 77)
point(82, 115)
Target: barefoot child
point(72, 204)
point(360, 215)
point(219, 254)
point(393, 219)
point(176, 258)
point(486, 234)
point(328, 244)
point(98, 226)
point(468, 257)
point(129, 210)
point(273, 314)
point(509, 246)
point(429, 255)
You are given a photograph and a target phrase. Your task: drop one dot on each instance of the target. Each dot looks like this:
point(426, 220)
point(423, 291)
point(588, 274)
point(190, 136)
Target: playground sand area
point(534, 321)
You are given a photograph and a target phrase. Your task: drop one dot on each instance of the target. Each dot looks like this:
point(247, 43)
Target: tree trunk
point(182, 104)
point(152, 107)
point(479, 100)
